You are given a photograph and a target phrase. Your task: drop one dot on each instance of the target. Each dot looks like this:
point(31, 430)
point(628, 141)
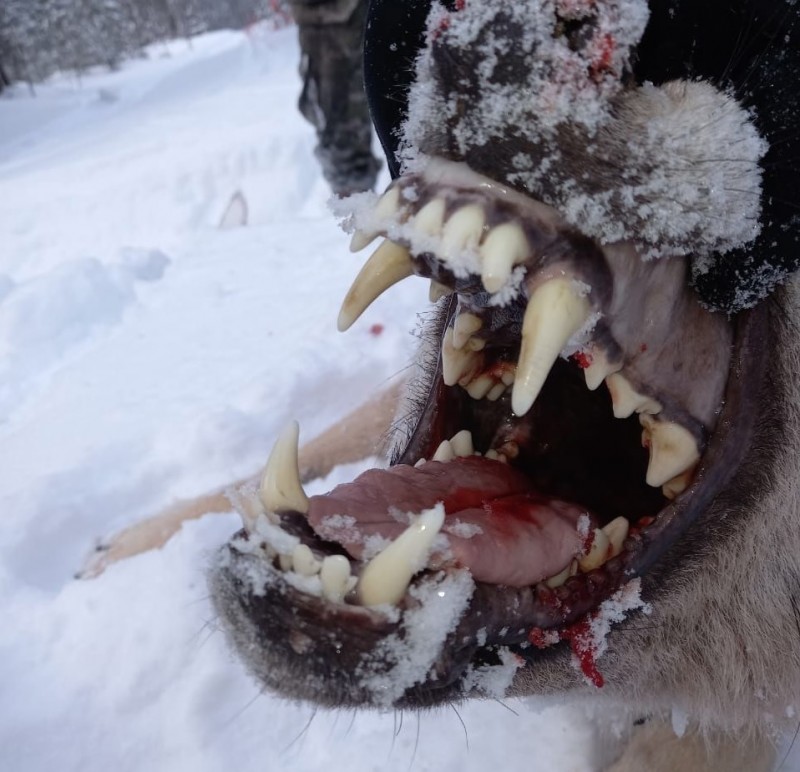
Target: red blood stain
point(460, 5)
point(643, 348)
point(582, 641)
point(604, 55)
point(376, 329)
point(582, 359)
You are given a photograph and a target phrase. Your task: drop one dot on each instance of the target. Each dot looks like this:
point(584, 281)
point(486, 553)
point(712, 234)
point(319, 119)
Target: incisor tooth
point(496, 392)
point(481, 386)
point(462, 443)
point(334, 576)
point(617, 532)
point(464, 327)
point(456, 363)
point(598, 552)
point(438, 291)
point(388, 574)
point(554, 314)
point(462, 230)
point(362, 239)
point(626, 400)
point(389, 264)
point(504, 246)
point(444, 452)
point(304, 561)
point(280, 489)
point(430, 218)
point(673, 450)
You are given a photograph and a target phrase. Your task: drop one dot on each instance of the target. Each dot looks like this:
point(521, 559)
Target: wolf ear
point(394, 34)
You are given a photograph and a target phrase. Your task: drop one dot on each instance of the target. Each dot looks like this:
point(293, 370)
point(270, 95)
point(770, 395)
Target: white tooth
point(673, 450)
point(554, 314)
point(285, 562)
point(247, 503)
point(420, 462)
point(559, 579)
point(509, 374)
point(388, 205)
point(464, 327)
point(504, 247)
point(598, 553)
point(626, 400)
point(598, 371)
point(677, 485)
point(492, 454)
point(334, 575)
point(430, 218)
point(389, 264)
point(456, 363)
point(305, 563)
point(387, 576)
point(362, 239)
point(481, 386)
point(281, 490)
point(496, 392)
point(438, 291)
point(617, 532)
point(444, 452)
point(462, 443)
point(476, 344)
point(462, 230)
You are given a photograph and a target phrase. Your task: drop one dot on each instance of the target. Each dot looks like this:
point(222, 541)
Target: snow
point(148, 355)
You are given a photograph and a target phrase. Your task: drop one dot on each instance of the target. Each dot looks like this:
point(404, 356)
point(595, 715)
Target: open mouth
point(577, 412)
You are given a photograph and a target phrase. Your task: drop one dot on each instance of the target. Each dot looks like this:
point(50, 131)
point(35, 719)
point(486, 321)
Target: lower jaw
point(328, 642)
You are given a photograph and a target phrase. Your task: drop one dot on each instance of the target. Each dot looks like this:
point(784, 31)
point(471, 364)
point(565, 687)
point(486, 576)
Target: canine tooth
point(617, 532)
point(677, 485)
point(305, 563)
point(430, 219)
point(554, 314)
point(387, 576)
point(444, 452)
point(285, 562)
point(388, 205)
point(598, 552)
point(503, 247)
point(626, 400)
point(673, 450)
point(598, 371)
point(389, 264)
point(481, 386)
point(362, 239)
point(438, 291)
point(496, 392)
point(280, 489)
point(462, 443)
point(456, 363)
point(334, 575)
point(462, 230)
point(464, 327)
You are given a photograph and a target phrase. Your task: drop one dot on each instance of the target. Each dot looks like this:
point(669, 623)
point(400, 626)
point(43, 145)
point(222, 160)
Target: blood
point(376, 329)
point(582, 642)
point(604, 57)
point(643, 348)
point(582, 359)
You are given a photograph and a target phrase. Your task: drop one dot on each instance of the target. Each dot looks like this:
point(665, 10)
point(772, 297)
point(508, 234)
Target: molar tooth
point(464, 327)
point(444, 452)
point(554, 314)
point(362, 239)
point(456, 363)
point(389, 264)
point(462, 443)
point(598, 371)
point(285, 562)
point(430, 219)
point(677, 485)
point(598, 552)
point(560, 578)
point(281, 490)
point(496, 392)
point(387, 576)
point(617, 532)
point(438, 291)
point(504, 246)
point(334, 575)
point(626, 400)
point(304, 561)
point(673, 450)
point(481, 386)
point(462, 230)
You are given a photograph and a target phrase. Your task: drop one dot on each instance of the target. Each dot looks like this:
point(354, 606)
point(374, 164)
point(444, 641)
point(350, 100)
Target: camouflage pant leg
point(333, 100)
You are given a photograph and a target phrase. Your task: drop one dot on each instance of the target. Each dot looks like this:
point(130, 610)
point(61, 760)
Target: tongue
point(496, 524)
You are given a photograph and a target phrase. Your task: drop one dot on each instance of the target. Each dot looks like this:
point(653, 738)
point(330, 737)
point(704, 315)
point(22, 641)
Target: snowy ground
point(146, 355)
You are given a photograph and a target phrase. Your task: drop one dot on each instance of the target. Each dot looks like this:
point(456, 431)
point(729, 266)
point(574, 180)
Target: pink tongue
point(496, 525)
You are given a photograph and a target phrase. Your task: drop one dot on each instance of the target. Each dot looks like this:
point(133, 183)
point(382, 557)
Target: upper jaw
point(329, 645)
